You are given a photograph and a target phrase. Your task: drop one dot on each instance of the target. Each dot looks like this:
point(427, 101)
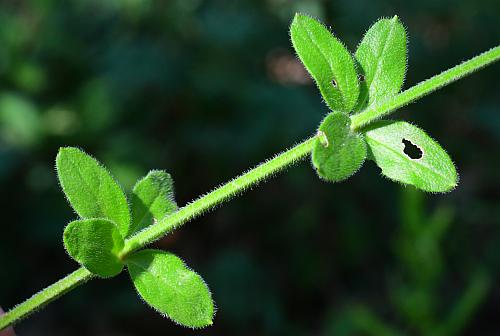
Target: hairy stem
point(184, 214)
point(219, 195)
point(45, 296)
point(423, 88)
point(246, 180)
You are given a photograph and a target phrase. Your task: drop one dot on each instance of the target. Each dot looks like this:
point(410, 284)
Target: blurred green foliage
point(416, 283)
point(206, 88)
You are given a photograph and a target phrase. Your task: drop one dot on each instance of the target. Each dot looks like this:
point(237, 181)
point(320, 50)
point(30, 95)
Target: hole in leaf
point(412, 151)
point(361, 77)
point(334, 83)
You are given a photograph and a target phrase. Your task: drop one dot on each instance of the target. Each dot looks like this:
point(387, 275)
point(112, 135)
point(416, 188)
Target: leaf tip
point(295, 19)
point(301, 18)
point(200, 324)
point(454, 183)
point(299, 15)
point(61, 151)
point(67, 150)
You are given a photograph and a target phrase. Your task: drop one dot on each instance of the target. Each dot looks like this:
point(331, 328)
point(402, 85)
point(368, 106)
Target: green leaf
point(382, 58)
point(408, 155)
point(90, 189)
point(338, 152)
point(96, 244)
point(164, 282)
point(152, 199)
point(328, 61)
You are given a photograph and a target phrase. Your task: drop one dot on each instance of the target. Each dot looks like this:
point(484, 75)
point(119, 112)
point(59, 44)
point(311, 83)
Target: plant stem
point(423, 88)
point(184, 214)
point(45, 296)
point(262, 171)
point(219, 195)
point(246, 180)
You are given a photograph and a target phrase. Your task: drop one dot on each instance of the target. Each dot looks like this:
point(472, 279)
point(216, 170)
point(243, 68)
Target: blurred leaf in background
point(415, 284)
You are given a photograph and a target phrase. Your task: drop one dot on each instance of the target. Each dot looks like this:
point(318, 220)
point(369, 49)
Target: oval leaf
point(327, 60)
point(382, 58)
point(407, 154)
point(152, 199)
point(96, 244)
point(90, 189)
point(164, 282)
point(338, 152)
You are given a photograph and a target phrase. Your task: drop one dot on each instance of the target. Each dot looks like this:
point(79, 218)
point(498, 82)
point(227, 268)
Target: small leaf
point(328, 61)
point(382, 58)
point(164, 282)
point(338, 152)
point(408, 155)
point(152, 198)
point(96, 244)
point(90, 189)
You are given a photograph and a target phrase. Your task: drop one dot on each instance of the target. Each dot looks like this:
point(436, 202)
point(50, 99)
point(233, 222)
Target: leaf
point(408, 155)
point(164, 282)
point(90, 189)
point(96, 244)
point(382, 58)
point(338, 152)
point(327, 60)
point(152, 198)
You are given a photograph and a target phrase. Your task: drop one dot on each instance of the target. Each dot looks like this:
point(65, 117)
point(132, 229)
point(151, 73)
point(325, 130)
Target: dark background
point(207, 89)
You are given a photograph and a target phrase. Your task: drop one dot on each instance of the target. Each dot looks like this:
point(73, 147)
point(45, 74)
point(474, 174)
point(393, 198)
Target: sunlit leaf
point(381, 56)
point(338, 152)
point(328, 61)
point(406, 154)
point(152, 199)
point(90, 189)
point(96, 244)
point(164, 282)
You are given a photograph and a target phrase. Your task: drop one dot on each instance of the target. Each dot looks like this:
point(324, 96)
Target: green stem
point(444, 78)
point(45, 296)
point(246, 180)
point(184, 214)
point(219, 195)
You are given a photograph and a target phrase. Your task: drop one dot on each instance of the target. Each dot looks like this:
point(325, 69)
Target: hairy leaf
point(95, 243)
point(328, 61)
point(90, 189)
point(164, 282)
point(381, 56)
point(338, 152)
point(152, 199)
point(406, 154)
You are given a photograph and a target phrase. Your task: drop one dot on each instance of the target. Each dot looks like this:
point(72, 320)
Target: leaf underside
point(165, 283)
point(431, 170)
point(382, 57)
point(344, 151)
point(90, 189)
point(95, 243)
point(328, 61)
point(152, 199)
